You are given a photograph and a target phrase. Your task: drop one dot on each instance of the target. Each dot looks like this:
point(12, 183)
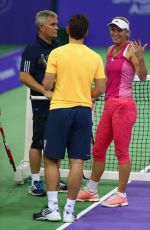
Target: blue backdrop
point(17, 18)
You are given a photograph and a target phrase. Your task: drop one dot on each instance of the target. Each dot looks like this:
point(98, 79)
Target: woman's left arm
point(137, 58)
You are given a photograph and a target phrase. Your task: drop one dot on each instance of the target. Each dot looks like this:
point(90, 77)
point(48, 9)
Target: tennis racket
point(9, 154)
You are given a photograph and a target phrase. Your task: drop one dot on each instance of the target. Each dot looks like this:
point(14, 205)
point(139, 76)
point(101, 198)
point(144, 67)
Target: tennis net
point(139, 146)
point(140, 142)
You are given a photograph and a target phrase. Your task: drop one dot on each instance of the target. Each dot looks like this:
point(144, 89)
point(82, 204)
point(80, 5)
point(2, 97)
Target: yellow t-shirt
point(75, 66)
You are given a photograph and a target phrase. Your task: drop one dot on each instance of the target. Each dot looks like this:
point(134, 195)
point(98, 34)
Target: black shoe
point(62, 186)
point(47, 214)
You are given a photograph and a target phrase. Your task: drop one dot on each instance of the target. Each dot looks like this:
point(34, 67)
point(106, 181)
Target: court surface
point(16, 206)
point(132, 217)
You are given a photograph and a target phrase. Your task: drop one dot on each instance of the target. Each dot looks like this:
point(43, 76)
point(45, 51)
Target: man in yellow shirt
point(71, 69)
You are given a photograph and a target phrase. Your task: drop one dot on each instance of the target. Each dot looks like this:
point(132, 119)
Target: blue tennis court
point(133, 217)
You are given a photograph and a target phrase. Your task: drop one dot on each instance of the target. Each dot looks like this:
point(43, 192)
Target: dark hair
point(78, 26)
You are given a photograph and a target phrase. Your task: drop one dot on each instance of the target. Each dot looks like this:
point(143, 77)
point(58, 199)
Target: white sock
point(70, 204)
point(92, 186)
point(35, 177)
point(52, 199)
point(124, 195)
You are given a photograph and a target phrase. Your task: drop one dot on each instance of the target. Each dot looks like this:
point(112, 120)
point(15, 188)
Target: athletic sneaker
point(87, 196)
point(62, 187)
point(69, 216)
point(47, 214)
point(114, 201)
point(37, 189)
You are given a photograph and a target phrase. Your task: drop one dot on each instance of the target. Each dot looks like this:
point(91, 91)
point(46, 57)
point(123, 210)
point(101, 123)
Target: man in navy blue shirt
point(32, 70)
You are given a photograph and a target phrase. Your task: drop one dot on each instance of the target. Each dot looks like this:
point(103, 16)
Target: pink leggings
point(116, 124)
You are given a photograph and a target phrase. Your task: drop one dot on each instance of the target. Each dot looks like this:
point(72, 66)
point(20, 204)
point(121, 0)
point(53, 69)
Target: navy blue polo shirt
point(34, 59)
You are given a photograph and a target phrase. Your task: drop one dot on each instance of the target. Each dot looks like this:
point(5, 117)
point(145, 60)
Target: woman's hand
point(138, 49)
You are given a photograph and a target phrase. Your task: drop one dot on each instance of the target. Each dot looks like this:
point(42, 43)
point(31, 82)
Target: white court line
point(97, 203)
point(89, 208)
point(146, 169)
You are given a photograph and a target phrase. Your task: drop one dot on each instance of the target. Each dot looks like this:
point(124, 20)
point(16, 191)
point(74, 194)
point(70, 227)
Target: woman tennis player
point(124, 59)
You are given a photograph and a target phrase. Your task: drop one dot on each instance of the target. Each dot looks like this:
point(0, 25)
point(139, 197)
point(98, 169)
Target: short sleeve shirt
point(34, 61)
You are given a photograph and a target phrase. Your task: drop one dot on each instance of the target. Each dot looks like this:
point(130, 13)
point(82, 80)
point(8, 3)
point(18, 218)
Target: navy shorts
point(39, 122)
point(68, 128)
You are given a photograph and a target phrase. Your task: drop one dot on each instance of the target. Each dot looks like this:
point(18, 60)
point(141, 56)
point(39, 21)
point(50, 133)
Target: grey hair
point(41, 17)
